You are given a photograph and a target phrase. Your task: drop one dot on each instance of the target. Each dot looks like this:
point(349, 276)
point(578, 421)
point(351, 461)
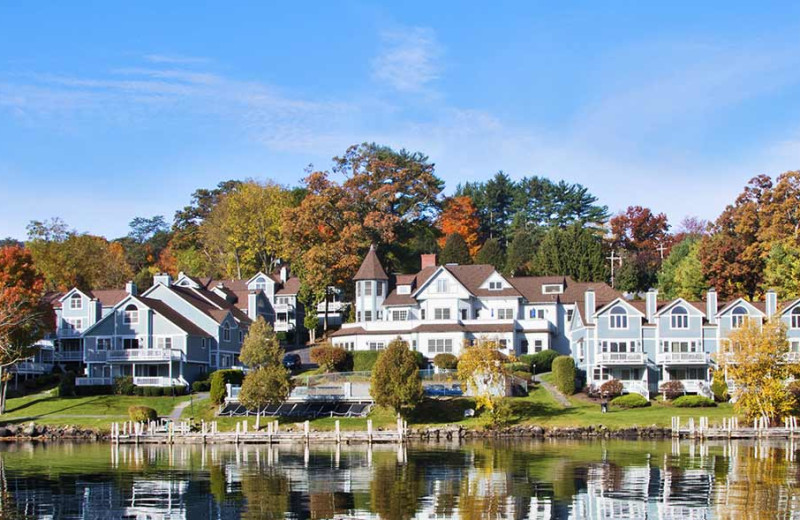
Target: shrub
point(499, 414)
point(331, 358)
point(693, 401)
point(419, 357)
point(672, 389)
point(201, 386)
point(564, 374)
point(218, 381)
point(282, 336)
point(611, 388)
point(518, 367)
point(363, 361)
point(124, 386)
point(543, 360)
point(445, 361)
point(630, 401)
point(142, 414)
point(719, 388)
point(522, 374)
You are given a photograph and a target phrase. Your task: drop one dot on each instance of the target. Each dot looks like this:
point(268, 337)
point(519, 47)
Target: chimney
point(651, 303)
point(163, 279)
point(588, 309)
point(772, 303)
point(711, 306)
point(428, 260)
point(284, 274)
point(130, 288)
point(252, 305)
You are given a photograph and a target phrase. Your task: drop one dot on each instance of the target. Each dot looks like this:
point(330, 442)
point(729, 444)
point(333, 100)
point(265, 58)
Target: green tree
point(574, 251)
point(395, 381)
point(455, 251)
point(564, 374)
point(261, 346)
point(266, 385)
point(521, 251)
point(492, 254)
point(690, 280)
point(782, 270)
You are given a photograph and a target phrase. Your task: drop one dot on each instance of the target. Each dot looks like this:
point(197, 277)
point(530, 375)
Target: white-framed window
point(439, 346)
point(226, 332)
point(495, 286)
point(76, 302)
point(555, 288)
point(74, 324)
point(505, 314)
point(679, 318)
point(104, 344)
point(203, 343)
point(399, 315)
point(794, 345)
point(442, 286)
point(796, 318)
point(680, 346)
point(600, 375)
point(164, 342)
point(441, 313)
point(618, 318)
point(503, 343)
point(380, 289)
point(367, 288)
point(537, 345)
point(376, 345)
point(131, 315)
point(367, 315)
point(358, 288)
point(358, 315)
point(130, 343)
point(738, 315)
point(618, 346)
point(260, 284)
point(570, 313)
point(403, 289)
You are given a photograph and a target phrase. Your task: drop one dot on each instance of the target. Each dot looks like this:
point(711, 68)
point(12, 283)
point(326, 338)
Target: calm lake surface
point(546, 479)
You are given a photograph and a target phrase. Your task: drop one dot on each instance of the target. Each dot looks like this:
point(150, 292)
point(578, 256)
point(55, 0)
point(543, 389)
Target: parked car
point(292, 361)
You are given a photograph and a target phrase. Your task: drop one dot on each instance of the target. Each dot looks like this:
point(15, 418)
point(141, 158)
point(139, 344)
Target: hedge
point(543, 360)
point(201, 386)
point(445, 361)
point(630, 401)
point(142, 413)
point(564, 374)
point(693, 401)
point(218, 381)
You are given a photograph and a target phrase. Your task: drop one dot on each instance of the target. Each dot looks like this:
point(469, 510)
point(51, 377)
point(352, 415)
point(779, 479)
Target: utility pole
point(613, 258)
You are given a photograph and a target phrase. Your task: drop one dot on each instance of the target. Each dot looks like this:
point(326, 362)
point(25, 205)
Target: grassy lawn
point(97, 411)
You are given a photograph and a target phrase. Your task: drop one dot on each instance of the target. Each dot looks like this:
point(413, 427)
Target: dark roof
point(473, 276)
point(173, 316)
point(108, 297)
point(371, 268)
point(209, 303)
point(399, 299)
point(292, 286)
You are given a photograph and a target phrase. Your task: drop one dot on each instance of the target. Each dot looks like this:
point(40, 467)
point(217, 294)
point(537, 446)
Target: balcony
point(681, 358)
point(333, 307)
point(96, 356)
point(69, 355)
point(621, 358)
point(93, 381)
point(142, 354)
point(68, 333)
point(157, 381)
point(33, 367)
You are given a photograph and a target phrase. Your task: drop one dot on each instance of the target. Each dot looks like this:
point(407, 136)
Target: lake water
point(545, 479)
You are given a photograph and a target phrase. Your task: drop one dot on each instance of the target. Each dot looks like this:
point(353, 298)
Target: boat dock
point(731, 429)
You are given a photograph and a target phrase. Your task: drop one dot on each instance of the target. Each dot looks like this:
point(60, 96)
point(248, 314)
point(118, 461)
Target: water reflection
point(551, 479)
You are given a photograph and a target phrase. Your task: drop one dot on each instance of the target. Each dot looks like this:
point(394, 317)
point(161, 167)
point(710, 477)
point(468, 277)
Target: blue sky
point(112, 110)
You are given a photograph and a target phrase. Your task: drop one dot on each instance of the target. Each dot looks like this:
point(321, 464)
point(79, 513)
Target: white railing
point(667, 358)
point(283, 307)
point(92, 381)
point(636, 387)
point(332, 306)
point(696, 386)
point(69, 355)
point(792, 357)
point(621, 358)
point(156, 381)
point(141, 354)
point(32, 367)
point(96, 355)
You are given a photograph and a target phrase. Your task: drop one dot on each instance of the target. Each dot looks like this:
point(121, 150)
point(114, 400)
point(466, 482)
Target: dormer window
point(679, 318)
point(495, 286)
point(738, 316)
point(618, 318)
point(553, 288)
point(76, 302)
point(796, 318)
point(131, 315)
point(403, 289)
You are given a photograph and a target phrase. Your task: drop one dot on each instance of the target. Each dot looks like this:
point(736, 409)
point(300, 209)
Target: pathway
point(180, 407)
point(558, 396)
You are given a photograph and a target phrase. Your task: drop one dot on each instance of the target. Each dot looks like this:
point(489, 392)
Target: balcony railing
point(141, 354)
point(792, 357)
point(621, 358)
point(92, 381)
point(678, 358)
point(156, 381)
point(69, 355)
point(33, 367)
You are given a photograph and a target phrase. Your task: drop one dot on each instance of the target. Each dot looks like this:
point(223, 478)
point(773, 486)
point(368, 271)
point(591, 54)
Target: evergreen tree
point(395, 379)
point(261, 346)
point(520, 253)
point(492, 254)
point(574, 251)
point(455, 251)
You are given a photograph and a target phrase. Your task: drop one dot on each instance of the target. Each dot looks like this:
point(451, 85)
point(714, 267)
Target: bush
point(445, 361)
point(518, 367)
point(522, 374)
point(201, 386)
point(419, 357)
point(66, 387)
point(543, 360)
point(611, 388)
point(142, 414)
point(630, 401)
point(124, 385)
point(693, 401)
point(330, 358)
point(500, 413)
point(719, 388)
point(564, 374)
point(282, 336)
point(364, 360)
point(672, 389)
point(218, 381)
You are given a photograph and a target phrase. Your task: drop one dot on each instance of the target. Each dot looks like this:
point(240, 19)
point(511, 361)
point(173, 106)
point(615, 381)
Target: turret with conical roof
point(372, 284)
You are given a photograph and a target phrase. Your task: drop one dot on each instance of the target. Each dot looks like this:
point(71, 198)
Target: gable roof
point(760, 307)
point(173, 316)
point(210, 304)
point(473, 276)
point(371, 268)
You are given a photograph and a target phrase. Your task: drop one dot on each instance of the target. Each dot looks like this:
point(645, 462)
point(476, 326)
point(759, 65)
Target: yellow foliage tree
point(756, 361)
point(482, 368)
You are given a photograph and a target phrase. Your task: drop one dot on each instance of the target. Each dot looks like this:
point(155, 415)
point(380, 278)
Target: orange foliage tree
point(461, 216)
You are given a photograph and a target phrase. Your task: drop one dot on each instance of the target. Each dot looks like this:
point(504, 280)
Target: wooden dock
point(183, 433)
point(730, 428)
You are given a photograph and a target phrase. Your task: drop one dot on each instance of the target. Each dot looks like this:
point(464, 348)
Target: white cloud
point(409, 59)
point(173, 59)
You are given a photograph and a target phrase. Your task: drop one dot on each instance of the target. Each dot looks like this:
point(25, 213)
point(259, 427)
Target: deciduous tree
point(395, 381)
point(482, 368)
point(638, 229)
point(266, 385)
point(261, 345)
point(461, 217)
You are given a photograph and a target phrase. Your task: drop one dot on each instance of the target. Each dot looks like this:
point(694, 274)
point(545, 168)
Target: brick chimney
point(428, 260)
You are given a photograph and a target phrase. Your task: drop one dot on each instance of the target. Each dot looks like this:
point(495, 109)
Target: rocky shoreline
point(33, 431)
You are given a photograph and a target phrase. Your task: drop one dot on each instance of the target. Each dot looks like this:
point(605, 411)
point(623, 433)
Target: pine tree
point(520, 253)
point(492, 254)
point(455, 251)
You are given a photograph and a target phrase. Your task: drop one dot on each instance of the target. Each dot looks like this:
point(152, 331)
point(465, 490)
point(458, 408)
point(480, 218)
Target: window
point(618, 346)
point(556, 288)
point(540, 314)
point(738, 316)
point(441, 314)
point(442, 286)
point(367, 315)
point(380, 315)
point(241, 336)
point(367, 288)
point(600, 375)
point(399, 315)
point(569, 314)
point(260, 284)
point(203, 343)
point(503, 343)
point(403, 289)
point(495, 286)
point(380, 289)
point(680, 346)
point(505, 314)
point(358, 315)
point(130, 343)
point(226, 332)
point(438, 346)
point(464, 314)
point(376, 345)
point(165, 343)
point(679, 318)
point(131, 316)
point(74, 324)
point(618, 318)
point(358, 288)
point(103, 343)
point(796, 318)
point(523, 346)
point(537, 345)
point(422, 314)
point(75, 301)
